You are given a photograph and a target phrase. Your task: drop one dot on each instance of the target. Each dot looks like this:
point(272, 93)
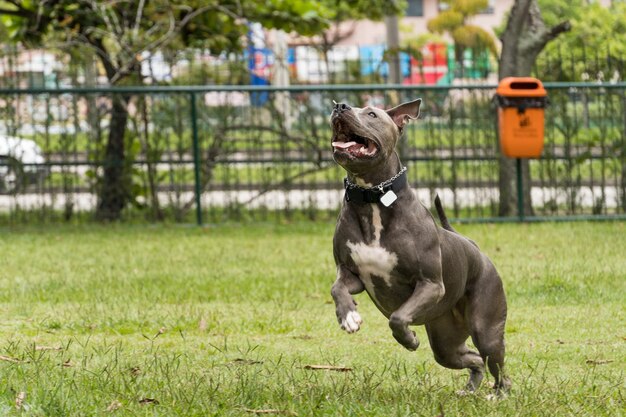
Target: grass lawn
point(168, 320)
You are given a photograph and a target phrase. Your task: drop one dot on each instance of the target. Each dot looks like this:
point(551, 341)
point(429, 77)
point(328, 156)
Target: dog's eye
point(372, 114)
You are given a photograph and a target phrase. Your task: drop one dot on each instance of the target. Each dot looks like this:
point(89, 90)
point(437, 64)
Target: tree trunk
point(524, 38)
point(114, 190)
point(507, 181)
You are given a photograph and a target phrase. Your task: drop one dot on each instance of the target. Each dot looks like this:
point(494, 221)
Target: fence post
point(196, 158)
point(520, 190)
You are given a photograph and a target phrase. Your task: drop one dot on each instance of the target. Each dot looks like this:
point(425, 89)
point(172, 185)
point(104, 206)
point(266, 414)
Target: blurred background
point(211, 111)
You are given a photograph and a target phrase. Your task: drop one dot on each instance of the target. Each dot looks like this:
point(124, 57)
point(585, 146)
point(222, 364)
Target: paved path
point(320, 199)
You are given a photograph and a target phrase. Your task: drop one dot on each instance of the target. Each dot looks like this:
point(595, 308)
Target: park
point(169, 196)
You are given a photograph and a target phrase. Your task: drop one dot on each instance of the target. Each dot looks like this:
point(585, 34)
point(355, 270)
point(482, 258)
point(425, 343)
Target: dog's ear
point(404, 112)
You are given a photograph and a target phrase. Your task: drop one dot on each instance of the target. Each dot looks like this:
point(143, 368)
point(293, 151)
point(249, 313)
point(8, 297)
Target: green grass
point(223, 319)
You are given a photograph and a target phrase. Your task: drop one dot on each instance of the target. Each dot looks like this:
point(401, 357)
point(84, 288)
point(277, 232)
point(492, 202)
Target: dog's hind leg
point(447, 335)
point(414, 310)
point(490, 344)
point(486, 317)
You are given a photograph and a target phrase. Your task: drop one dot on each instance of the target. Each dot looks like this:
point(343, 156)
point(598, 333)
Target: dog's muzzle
point(341, 107)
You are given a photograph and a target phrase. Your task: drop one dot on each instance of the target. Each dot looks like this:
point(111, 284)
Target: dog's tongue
point(343, 145)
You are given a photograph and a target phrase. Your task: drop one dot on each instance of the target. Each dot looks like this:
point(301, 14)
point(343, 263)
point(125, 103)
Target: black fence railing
point(230, 152)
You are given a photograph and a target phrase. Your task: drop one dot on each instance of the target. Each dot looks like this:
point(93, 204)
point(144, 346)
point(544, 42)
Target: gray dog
point(388, 244)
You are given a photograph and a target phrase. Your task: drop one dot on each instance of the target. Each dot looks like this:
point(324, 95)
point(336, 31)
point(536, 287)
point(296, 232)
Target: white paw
point(352, 322)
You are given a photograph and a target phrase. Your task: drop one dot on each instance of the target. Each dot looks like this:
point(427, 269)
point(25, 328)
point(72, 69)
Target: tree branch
point(555, 31)
point(536, 25)
point(172, 31)
point(535, 40)
point(138, 18)
point(20, 13)
point(105, 58)
point(285, 181)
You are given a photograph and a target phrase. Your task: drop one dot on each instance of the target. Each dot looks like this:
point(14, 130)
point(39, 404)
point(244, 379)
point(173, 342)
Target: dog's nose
point(341, 107)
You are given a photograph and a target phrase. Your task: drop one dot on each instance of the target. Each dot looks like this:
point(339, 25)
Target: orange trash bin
point(521, 105)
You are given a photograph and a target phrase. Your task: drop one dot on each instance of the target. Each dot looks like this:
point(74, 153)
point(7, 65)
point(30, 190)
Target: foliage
point(339, 11)
point(594, 47)
point(124, 32)
point(414, 44)
point(120, 31)
point(454, 21)
point(595, 44)
point(200, 72)
point(352, 10)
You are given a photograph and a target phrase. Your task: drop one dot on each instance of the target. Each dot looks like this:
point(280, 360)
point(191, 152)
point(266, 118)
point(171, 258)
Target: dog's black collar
point(360, 195)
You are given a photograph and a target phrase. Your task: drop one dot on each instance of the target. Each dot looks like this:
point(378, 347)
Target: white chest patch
point(372, 259)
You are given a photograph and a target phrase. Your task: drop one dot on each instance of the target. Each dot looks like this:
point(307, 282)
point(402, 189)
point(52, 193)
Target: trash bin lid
point(521, 87)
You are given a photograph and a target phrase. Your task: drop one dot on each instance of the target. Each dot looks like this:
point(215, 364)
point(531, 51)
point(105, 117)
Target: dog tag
point(388, 198)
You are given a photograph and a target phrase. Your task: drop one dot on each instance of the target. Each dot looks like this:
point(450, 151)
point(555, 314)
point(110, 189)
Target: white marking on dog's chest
point(372, 259)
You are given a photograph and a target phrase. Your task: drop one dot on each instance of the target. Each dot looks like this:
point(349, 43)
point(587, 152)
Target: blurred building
point(415, 19)
point(28, 68)
point(358, 50)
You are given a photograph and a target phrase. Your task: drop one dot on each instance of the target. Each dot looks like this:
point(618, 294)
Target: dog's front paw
point(352, 322)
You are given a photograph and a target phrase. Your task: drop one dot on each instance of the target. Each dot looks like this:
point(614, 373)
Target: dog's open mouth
point(354, 145)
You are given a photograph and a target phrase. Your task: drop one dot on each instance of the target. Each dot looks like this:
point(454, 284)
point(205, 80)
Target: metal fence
point(214, 153)
point(432, 64)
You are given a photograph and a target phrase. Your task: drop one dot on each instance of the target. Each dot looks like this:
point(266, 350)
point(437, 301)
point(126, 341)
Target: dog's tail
point(442, 215)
